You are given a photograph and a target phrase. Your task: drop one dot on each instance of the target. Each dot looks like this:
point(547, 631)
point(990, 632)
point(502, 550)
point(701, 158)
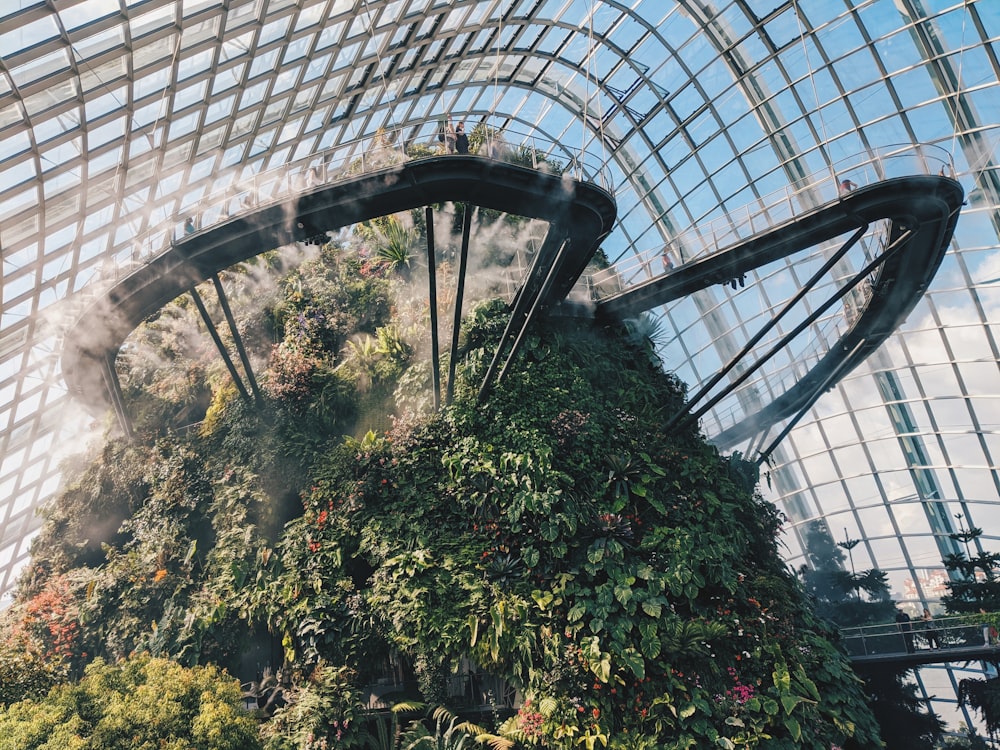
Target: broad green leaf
point(793, 728)
point(651, 647)
point(652, 609)
point(789, 702)
point(782, 680)
point(542, 598)
point(623, 594)
point(634, 661)
point(596, 552)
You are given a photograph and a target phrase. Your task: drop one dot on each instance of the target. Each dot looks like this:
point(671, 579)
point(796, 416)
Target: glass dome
point(116, 117)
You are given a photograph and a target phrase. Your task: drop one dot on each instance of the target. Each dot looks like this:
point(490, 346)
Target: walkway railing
point(733, 228)
point(368, 154)
point(916, 635)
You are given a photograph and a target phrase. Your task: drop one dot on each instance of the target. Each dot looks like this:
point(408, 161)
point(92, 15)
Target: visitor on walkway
point(846, 186)
point(668, 261)
point(989, 632)
point(450, 137)
point(930, 632)
point(189, 225)
point(461, 139)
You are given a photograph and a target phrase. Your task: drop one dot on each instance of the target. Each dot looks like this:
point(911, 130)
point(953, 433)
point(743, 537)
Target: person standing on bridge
point(668, 261)
point(461, 139)
point(930, 632)
point(847, 186)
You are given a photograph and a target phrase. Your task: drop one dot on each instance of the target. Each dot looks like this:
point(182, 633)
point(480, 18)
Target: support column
point(459, 296)
point(114, 387)
point(237, 339)
point(432, 292)
point(218, 343)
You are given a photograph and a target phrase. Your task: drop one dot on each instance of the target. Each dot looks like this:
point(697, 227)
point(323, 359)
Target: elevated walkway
point(908, 645)
point(580, 215)
point(918, 210)
point(921, 210)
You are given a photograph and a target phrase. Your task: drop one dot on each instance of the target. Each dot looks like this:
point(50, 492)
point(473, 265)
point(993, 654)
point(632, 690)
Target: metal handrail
point(383, 149)
point(917, 635)
point(732, 228)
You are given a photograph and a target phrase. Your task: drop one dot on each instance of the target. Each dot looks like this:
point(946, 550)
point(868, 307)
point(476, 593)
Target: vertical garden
point(548, 567)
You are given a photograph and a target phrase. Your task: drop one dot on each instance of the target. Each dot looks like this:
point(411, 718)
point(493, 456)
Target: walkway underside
point(923, 211)
point(904, 660)
point(580, 215)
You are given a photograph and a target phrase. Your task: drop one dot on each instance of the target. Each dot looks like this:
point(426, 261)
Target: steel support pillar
point(463, 260)
point(237, 339)
point(432, 292)
point(213, 332)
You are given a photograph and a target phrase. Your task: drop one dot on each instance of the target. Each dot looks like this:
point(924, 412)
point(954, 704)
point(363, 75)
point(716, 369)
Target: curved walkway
point(580, 215)
point(923, 211)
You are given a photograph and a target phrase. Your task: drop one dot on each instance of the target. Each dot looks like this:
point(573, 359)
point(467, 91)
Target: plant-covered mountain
point(551, 555)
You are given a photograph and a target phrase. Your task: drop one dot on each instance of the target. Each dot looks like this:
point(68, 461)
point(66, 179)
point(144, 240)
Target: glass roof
point(118, 115)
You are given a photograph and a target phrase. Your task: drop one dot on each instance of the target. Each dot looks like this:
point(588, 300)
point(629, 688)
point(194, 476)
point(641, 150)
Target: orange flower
point(160, 575)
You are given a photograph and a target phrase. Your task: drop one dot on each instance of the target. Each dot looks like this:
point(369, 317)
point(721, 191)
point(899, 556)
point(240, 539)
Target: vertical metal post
point(237, 339)
point(459, 294)
point(114, 387)
point(432, 292)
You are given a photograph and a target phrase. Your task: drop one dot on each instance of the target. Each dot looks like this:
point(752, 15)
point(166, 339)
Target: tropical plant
point(623, 578)
point(903, 718)
point(448, 733)
point(323, 711)
point(395, 246)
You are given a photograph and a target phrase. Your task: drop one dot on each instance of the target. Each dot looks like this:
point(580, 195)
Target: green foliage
point(975, 587)
point(849, 599)
point(26, 671)
point(837, 592)
point(143, 703)
point(975, 584)
point(623, 579)
point(448, 733)
point(396, 244)
point(983, 696)
point(323, 712)
point(87, 516)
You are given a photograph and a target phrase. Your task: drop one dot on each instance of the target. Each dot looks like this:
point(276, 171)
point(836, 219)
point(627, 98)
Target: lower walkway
point(921, 211)
point(914, 643)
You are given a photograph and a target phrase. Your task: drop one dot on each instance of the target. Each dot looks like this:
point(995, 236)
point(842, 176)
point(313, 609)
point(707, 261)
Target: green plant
point(448, 734)
point(395, 246)
point(141, 703)
point(324, 711)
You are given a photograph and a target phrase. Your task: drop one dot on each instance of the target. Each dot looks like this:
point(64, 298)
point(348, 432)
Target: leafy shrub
point(143, 703)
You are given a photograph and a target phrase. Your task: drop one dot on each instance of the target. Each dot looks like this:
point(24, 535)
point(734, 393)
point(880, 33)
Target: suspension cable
point(958, 84)
point(812, 78)
point(378, 58)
